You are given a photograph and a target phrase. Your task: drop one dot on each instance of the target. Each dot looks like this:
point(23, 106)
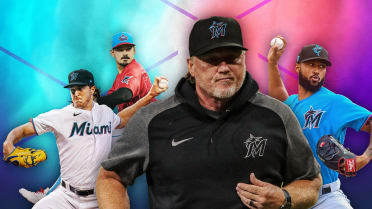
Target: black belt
point(326, 190)
point(76, 191)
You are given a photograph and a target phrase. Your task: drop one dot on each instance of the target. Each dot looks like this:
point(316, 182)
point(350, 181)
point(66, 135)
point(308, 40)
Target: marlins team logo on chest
point(84, 128)
point(218, 29)
point(126, 79)
point(312, 118)
point(255, 146)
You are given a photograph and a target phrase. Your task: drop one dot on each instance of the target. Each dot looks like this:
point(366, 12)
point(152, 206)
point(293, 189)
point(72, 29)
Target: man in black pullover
point(217, 143)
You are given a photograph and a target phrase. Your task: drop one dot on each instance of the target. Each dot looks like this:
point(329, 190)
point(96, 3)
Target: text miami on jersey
point(84, 128)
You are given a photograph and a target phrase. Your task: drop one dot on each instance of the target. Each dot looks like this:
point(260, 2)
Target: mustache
point(314, 76)
point(125, 57)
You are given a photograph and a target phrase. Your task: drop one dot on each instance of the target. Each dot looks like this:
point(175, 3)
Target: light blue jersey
point(323, 113)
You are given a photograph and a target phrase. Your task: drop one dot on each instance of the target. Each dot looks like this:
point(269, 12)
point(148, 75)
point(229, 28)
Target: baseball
point(163, 83)
point(277, 42)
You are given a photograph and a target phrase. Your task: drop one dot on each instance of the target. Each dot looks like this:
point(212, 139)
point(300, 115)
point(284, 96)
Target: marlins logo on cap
point(214, 32)
point(317, 49)
point(218, 29)
point(80, 78)
point(74, 76)
point(313, 52)
point(121, 39)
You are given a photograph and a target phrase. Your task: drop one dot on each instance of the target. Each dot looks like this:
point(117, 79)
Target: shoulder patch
point(126, 79)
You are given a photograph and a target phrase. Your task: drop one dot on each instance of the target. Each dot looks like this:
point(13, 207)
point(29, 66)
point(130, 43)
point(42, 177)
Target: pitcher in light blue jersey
point(320, 112)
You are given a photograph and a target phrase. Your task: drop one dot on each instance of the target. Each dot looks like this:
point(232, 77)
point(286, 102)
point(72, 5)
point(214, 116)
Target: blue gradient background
point(60, 36)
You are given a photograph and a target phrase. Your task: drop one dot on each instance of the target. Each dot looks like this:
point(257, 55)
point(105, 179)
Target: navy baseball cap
point(313, 52)
point(214, 32)
point(80, 78)
point(121, 39)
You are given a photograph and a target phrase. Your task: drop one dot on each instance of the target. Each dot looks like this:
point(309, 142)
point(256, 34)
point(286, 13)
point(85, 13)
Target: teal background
point(57, 37)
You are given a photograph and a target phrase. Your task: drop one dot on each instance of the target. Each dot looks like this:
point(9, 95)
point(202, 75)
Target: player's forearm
point(111, 193)
point(20, 132)
point(128, 112)
point(368, 151)
point(15, 136)
point(366, 157)
point(276, 85)
point(304, 193)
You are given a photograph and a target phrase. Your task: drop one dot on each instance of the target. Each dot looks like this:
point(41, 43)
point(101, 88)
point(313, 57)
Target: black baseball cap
point(214, 32)
point(313, 52)
point(80, 78)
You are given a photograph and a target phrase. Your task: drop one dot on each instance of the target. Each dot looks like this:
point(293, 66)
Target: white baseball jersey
point(83, 138)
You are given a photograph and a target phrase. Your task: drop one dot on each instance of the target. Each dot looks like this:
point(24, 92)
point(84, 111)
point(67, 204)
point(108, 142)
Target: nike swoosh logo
point(76, 114)
point(174, 143)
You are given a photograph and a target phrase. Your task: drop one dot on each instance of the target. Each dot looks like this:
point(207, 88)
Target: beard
point(123, 64)
point(124, 61)
point(223, 92)
point(306, 83)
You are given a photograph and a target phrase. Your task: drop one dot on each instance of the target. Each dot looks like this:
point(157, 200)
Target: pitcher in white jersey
point(83, 132)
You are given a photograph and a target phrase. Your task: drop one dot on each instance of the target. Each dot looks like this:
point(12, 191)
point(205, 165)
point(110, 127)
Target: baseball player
point(131, 84)
point(131, 75)
point(83, 133)
point(320, 112)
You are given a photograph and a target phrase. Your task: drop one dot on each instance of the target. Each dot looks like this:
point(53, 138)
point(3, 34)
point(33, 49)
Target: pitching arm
point(16, 135)
point(128, 112)
point(276, 85)
point(364, 159)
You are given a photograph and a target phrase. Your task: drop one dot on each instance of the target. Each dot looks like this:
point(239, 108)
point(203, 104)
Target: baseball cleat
point(34, 197)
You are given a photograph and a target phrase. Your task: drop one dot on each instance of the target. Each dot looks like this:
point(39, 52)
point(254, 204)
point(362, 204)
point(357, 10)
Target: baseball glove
point(26, 157)
point(335, 156)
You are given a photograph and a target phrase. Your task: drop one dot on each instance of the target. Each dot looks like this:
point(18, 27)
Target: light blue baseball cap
point(121, 39)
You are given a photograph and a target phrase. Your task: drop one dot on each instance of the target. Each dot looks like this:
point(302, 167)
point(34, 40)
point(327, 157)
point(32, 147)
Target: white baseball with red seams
point(163, 83)
point(278, 42)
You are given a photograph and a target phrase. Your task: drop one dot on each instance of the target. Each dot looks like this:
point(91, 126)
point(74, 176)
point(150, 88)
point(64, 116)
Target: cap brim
point(125, 43)
point(327, 62)
point(76, 84)
point(218, 45)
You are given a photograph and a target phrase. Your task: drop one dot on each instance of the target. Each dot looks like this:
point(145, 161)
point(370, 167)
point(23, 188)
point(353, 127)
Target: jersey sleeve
point(116, 120)
point(300, 161)
point(348, 114)
point(129, 156)
point(290, 101)
point(131, 81)
point(45, 122)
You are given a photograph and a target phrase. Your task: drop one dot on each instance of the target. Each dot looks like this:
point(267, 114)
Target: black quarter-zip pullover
point(194, 158)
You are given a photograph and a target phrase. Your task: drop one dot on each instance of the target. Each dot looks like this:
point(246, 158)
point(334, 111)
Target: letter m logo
point(313, 118)
point(255, 146)
point(218, 29)
point(78, 129)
